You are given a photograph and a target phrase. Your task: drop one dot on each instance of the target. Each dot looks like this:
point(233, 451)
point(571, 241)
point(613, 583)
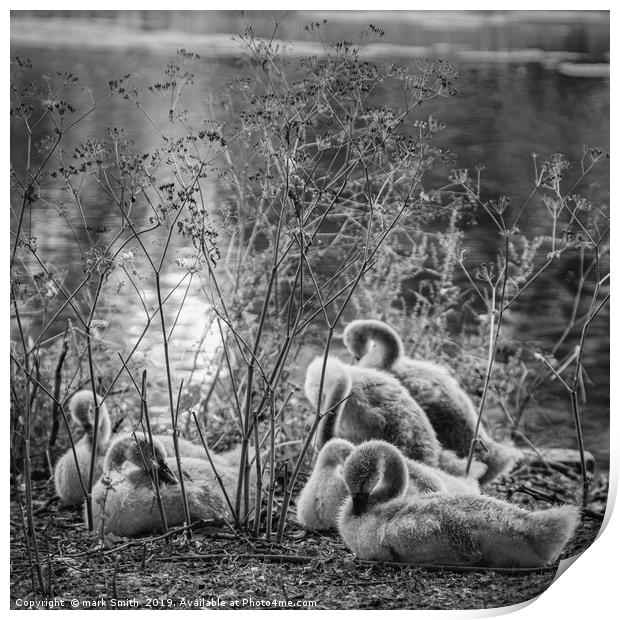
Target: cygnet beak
point(88, 427)
point(360, 503)
point(165, 473)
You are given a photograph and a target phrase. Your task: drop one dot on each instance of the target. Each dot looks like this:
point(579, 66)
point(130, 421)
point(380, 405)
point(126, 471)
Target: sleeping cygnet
point(323, 495)
point(377, 406)
point(66, 474)
point(448, 407)
point(125, 501)
point(379, 522)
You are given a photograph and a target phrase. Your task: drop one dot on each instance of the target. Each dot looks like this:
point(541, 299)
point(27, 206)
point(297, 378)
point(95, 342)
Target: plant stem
point(144, 413)
point(218, 477)
point(175, 432)
point(493, 338)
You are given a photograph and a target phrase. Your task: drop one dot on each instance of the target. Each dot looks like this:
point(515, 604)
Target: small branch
point(493, 338)
point(460, 568)
point(267, 557)
point(57, 383)
point(553, 499)
point(217, 475)
point(175, 432)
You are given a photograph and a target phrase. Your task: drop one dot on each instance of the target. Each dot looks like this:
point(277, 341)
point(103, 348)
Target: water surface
point(503, 113)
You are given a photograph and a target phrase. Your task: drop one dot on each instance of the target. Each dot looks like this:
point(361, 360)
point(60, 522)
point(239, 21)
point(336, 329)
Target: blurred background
point(546, 36)
point(529, 82)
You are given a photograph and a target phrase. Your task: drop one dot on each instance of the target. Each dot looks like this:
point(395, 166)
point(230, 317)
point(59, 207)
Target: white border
point(587, 588)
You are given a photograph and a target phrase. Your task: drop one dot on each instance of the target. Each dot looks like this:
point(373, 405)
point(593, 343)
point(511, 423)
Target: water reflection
point(502, 114)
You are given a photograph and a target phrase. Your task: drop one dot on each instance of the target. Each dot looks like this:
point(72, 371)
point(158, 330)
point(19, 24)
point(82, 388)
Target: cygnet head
point(136, 449)
point(373, 341)
point(336, 381)
point(82, 410)
point(337, 384)
point(334, 453)
point(375, 472)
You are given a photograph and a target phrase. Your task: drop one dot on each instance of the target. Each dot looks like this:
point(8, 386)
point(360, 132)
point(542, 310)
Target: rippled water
point(503, 113)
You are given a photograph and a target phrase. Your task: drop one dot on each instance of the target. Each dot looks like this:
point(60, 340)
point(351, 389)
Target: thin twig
point(218, 477)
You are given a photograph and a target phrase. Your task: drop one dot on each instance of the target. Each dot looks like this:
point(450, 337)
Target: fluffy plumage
point(448, 407)
point(186, 448)
point(426, 479)
point(322, 497)
point(320, 501)
point(378, 522)
point(376, 406)
point(124, 498)
point(66, 473)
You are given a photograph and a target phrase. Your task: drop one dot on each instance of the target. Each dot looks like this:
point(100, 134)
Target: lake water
point(503, 113)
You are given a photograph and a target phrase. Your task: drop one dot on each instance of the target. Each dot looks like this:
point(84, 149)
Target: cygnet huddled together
point(390, 473)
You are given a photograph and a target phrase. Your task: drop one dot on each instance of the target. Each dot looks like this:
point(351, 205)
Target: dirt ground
point(221, 569)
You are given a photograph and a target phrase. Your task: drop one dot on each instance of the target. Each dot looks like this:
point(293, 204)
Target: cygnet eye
point(165, 473)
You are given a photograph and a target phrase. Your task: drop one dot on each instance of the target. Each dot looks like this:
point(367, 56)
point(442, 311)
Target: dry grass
point(307, 566)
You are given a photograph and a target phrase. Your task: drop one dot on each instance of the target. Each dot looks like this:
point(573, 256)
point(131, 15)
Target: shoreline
point(105, 33)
